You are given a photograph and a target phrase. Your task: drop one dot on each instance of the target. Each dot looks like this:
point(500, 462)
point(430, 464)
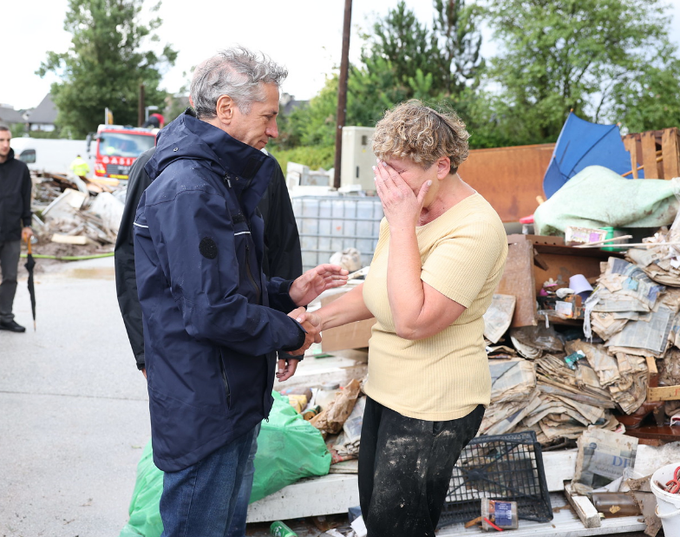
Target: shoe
point(12, 326)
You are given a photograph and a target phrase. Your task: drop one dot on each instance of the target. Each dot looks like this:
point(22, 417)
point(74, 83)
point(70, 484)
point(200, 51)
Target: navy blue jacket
point(210, 327)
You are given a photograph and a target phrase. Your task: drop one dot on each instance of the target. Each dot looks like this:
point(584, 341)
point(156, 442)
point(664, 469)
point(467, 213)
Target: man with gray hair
point(212, 321)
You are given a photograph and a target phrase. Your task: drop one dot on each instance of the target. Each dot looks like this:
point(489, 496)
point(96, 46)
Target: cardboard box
point(350, 336)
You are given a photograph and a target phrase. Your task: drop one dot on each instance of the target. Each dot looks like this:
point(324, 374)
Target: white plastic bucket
point(667, 505)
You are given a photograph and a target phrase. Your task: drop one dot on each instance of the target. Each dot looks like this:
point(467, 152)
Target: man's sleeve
point(26, 186)
point(283, 255)
point(124, 260)
point(196, 246)
point(282, 241)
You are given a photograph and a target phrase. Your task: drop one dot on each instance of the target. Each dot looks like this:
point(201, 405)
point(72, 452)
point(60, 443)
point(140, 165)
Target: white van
point(50, 155)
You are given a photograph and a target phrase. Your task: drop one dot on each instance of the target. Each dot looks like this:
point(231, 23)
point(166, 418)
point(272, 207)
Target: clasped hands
point(312, 326)
point(305, 289)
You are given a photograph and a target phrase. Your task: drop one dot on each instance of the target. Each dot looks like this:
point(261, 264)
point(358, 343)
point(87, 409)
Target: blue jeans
point(201, 499)
point(238, 521)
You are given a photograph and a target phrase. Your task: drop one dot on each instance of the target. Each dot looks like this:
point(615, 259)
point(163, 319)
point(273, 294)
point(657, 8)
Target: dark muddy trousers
point(9, 266)
point(405, 466)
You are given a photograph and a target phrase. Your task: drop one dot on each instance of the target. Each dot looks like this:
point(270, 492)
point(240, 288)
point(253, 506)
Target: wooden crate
point(655, 152)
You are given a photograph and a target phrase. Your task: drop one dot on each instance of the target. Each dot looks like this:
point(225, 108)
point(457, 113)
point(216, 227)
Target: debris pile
point(72, 218)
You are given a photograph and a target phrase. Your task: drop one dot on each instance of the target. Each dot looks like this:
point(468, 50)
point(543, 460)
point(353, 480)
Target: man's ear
point(225, 109)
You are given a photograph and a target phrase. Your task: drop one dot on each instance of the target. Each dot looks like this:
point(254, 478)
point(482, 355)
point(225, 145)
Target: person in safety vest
point(80, 168)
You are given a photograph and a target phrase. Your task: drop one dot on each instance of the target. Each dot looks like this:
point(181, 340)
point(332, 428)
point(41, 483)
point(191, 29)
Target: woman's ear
point(443, 167)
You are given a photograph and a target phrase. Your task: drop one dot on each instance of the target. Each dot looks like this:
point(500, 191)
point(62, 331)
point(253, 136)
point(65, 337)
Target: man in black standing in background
point(15, 225)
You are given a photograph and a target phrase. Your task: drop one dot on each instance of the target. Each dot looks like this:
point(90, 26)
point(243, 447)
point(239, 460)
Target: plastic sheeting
point(598, 197)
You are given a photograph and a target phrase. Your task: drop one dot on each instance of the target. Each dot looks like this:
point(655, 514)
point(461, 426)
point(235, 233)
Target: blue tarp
point(582, 144)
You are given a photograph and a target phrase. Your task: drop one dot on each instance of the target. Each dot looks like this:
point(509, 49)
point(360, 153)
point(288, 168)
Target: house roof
point(10, 116)
point(45, 113)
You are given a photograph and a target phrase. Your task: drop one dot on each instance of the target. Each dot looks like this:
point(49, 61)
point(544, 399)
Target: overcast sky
point(304, 35)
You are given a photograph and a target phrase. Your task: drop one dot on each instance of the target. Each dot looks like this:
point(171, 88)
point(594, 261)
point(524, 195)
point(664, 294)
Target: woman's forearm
point(348, 308)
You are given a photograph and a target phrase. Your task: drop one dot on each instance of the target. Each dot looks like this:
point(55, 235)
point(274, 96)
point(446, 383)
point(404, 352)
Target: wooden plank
point(559, 467)
point(651, 365)
point(69, 239)
point(649, 155)
point(333, 493)
point(584, 508)
point(631, 146)
point(670, 150)
point(518, 280)
point(664, 393)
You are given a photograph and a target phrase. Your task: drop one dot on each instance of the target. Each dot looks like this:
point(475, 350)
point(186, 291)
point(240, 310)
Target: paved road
point(73, 409)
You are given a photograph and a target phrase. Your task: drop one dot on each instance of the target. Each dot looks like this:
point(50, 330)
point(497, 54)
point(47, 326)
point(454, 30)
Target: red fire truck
point(117, 147)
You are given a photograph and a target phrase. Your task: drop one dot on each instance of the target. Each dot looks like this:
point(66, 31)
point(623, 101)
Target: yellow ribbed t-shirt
point(445, 376)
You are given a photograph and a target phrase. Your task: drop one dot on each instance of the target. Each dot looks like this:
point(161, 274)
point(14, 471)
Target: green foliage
point(47, 134)
point(402, 44)
point(650, 101)
point(607, 60)
point(402, 59)
point(314, 124)
point(17, 130)
point(105, 65)
point(558, 55)
point(459, 41)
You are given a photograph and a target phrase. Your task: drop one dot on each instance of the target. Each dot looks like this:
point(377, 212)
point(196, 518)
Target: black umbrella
point(30, 263)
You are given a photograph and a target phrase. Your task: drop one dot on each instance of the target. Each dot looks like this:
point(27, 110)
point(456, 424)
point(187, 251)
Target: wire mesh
point(503, 467)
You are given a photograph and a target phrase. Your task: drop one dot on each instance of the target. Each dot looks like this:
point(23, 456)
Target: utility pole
point(342, 91)
point(140, 107)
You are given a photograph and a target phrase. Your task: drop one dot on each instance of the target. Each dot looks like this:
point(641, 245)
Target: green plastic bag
point(145, 518)
point(288, 448)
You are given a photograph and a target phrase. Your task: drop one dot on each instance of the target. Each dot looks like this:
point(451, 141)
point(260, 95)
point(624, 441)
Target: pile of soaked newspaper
point(560, 387)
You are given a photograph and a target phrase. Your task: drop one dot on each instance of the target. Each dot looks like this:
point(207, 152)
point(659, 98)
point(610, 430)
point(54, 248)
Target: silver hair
point(236, 72)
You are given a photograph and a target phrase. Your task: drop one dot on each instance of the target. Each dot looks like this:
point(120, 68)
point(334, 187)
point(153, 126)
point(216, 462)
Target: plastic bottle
point(613, 504)
point(279, 529)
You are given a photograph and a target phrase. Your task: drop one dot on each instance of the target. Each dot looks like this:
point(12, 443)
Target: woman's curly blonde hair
point(414, 131)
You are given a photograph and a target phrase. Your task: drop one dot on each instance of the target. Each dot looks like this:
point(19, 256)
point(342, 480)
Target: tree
point(650, 100)
point(559, 55)
point(402, 44)
point(459, 42)
point(402, 59)
point(104, 66)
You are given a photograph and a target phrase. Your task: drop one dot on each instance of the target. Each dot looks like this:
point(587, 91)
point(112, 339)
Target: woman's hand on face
point(400, 205)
